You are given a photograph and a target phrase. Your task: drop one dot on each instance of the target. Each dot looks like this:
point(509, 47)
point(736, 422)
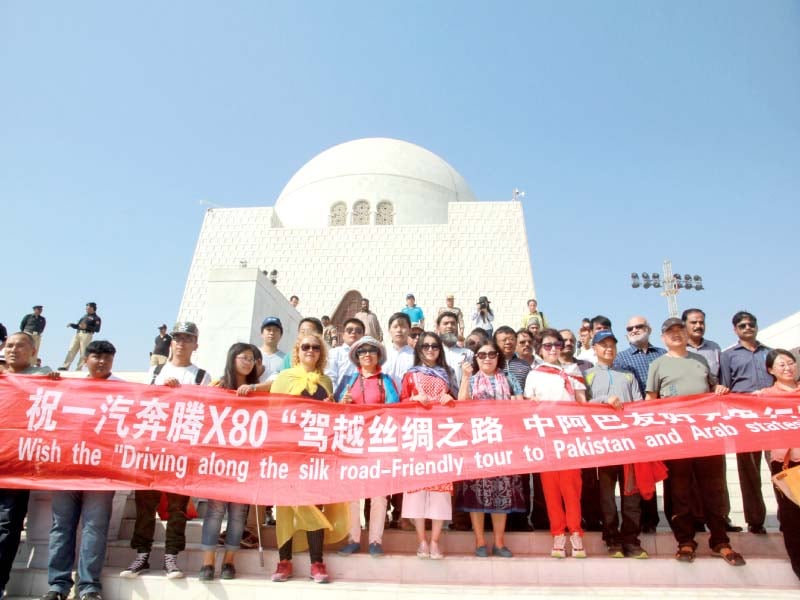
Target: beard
point(639, 339)
point(449, 339)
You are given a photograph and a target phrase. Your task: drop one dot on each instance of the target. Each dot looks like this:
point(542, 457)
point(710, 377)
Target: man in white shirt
point(339, 364)
point(399, 355)
point(447, 328)
point(178, 371)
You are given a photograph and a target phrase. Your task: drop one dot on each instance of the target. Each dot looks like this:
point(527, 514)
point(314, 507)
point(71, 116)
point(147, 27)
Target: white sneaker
point(576, 541)
point(171, 567)
point(139, 565)
point(559, 546)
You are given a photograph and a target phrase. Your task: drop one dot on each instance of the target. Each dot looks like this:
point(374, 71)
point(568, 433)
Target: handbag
point(788, 480)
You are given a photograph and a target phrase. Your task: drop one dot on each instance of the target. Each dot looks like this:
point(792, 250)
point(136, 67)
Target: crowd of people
point(442, 364)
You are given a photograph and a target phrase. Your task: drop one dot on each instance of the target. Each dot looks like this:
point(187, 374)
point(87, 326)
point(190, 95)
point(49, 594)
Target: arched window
point(338, 214)
point(385, 213)
point(361, 213)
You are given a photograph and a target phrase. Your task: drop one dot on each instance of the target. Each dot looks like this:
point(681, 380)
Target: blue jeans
point(13, 508)
point(68, 508)
point(212, 524)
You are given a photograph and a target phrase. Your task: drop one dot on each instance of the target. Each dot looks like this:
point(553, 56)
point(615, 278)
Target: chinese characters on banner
point(274, 449)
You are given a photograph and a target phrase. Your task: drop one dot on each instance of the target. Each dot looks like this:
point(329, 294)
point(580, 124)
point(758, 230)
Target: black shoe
point(757, 529)
point(51, 595)
point(228, 571)
point(91, 596)
point(731, 528)
point(206, 573)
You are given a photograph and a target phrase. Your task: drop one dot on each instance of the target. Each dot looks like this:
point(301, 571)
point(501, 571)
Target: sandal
point(685, 554)
point(731, 557)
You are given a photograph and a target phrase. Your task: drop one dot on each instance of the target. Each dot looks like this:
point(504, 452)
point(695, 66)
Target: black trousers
point(13, 508)
point(613, 533)
point(145, 526)
point(789, 515)
point(749, 464)
point(315, 540)
point(707, 473)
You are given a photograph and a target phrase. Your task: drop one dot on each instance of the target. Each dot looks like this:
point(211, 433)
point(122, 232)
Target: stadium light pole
point(670, 284)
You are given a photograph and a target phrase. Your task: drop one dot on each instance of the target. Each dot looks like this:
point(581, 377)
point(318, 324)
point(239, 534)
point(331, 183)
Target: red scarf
point(564, 376)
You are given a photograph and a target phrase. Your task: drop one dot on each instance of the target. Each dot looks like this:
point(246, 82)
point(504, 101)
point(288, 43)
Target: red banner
point(275, 449)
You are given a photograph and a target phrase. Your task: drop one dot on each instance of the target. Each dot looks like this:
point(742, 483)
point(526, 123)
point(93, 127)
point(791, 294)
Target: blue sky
point(639, 131)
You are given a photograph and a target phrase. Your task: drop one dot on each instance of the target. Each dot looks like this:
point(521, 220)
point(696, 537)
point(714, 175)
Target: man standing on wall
point(85, 328)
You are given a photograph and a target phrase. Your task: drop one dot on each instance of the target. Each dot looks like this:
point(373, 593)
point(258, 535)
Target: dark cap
point(162, 326)
point(410, 295)
point(185, 327)
point(603, 335)
point(671, 322)
point(37, 306)
point(92, 304)
point(272, 322)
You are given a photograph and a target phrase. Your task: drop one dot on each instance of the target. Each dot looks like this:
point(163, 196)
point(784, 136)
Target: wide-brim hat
point(367, 341)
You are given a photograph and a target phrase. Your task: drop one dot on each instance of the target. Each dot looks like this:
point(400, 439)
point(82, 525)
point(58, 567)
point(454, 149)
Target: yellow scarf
point(295, 380)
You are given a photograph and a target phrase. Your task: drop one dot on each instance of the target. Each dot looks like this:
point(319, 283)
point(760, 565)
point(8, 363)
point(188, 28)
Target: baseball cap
point(272, 321)
point(37, 306)
point(603, 335)
point(185, 327)
point(92, 304)
point(410, 295)
point(162, 326)
point(449, 296)
point(671, 322)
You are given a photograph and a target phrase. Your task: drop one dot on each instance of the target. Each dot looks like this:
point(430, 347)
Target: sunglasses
point(746, 325)
point(246, 359)
point(485, 355)
point(363, 351)
point(413, 335)
point(310, 347)
point(431, 347)
point(353, 330)
point(634, 327)
point(551, 346)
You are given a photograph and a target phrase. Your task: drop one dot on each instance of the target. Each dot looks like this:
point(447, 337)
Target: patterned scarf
point(490, 387)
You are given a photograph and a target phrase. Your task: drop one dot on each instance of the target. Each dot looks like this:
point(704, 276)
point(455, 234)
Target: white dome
point(418, 184)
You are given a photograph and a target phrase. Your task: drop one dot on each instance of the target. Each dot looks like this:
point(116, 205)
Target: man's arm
point(22, 323)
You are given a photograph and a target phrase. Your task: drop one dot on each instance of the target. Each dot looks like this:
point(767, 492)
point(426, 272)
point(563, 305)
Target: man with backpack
point(178, 371)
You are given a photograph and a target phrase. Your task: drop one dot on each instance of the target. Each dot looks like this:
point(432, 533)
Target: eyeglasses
point(485, 355)
point(637, 326)
point(431, 347)
point(310, 347)
point(553, 345)
point(353, 330)
point(746, 325)
point(363, 351)
point(413, 336)
point(246, 359)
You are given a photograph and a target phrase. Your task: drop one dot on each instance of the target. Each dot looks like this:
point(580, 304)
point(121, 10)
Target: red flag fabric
point(275, 449)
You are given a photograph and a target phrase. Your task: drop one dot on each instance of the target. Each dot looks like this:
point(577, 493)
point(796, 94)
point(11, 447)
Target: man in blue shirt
point(743, 369)
point(414, 312)
point(636, 360)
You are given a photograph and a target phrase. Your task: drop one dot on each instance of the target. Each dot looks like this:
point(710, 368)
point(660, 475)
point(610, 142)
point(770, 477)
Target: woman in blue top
point(484, 379)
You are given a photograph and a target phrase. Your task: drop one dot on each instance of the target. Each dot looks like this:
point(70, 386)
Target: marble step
point(404, 574)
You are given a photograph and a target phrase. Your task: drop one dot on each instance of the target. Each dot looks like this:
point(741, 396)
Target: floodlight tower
point(672, 284)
